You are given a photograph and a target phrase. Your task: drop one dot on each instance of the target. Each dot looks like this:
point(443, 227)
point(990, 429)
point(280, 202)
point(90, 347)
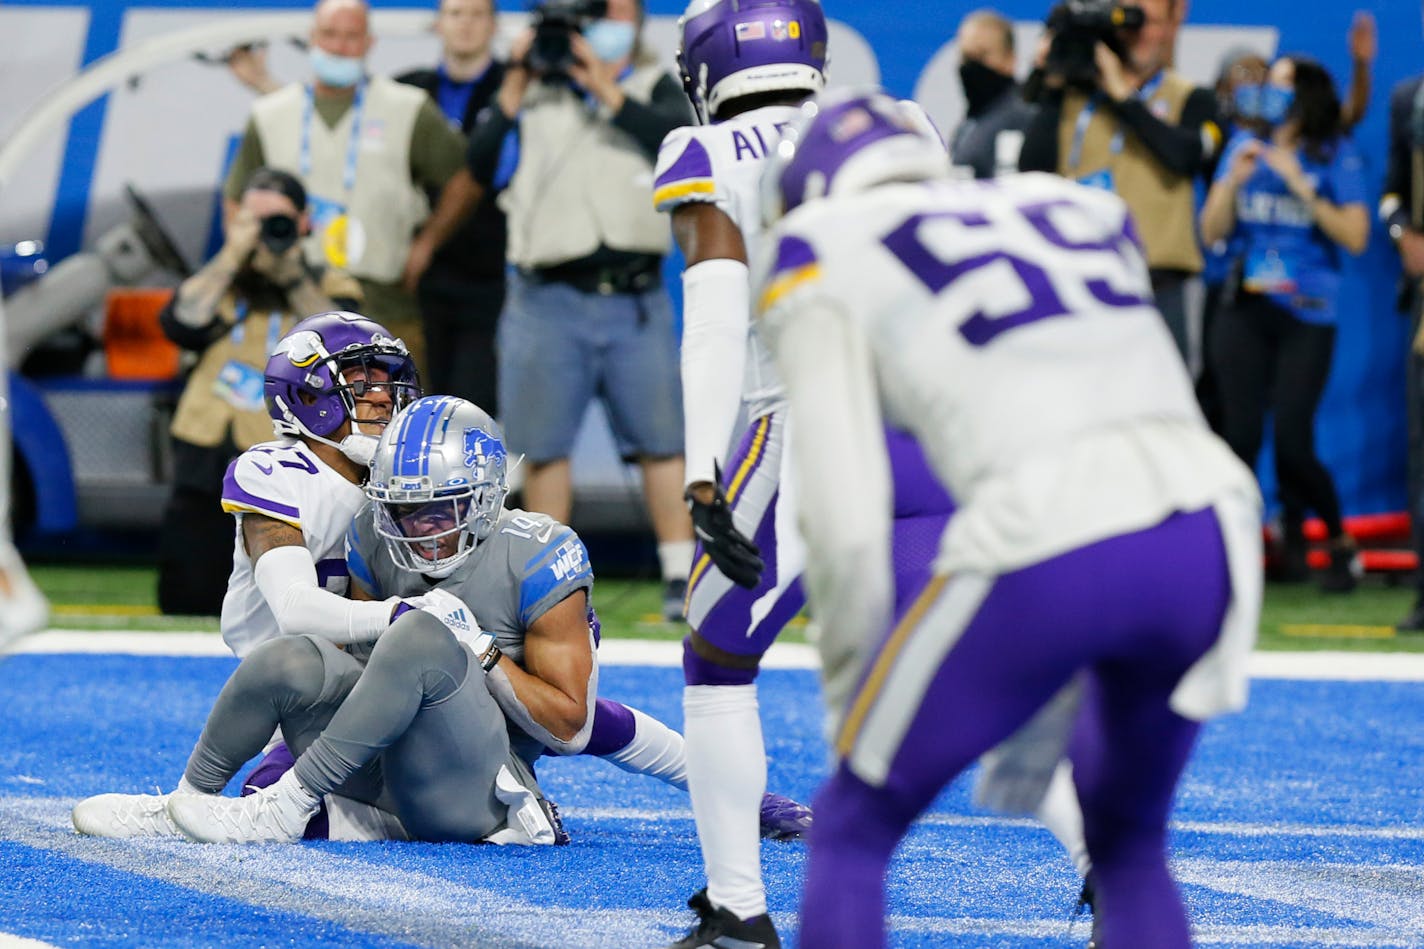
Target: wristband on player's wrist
point(491, 657)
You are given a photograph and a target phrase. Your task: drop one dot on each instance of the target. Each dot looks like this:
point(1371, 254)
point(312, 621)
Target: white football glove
point(458, 618)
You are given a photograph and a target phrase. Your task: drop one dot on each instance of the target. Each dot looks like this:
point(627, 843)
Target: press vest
point(204, 417)
point(581, 182)
point(1162, 203)
point(383, 206)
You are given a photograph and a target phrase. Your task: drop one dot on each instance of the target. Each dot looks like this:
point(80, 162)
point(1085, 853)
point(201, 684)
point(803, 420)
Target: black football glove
point(732, 551)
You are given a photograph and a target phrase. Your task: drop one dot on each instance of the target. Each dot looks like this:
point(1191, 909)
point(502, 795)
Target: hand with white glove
point(450, 610)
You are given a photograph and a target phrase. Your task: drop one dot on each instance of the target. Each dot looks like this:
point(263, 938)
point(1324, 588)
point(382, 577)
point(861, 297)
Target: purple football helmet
point(848, 141)
point(734, 48)
point(306, 388)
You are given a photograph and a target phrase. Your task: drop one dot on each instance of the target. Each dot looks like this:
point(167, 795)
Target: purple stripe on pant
point(922, 508)
point(1133, 612)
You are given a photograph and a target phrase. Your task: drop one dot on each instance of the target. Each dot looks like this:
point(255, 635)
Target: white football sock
point(726, 773)
point(655, 750)
point(675, 557)
point(1060, 812)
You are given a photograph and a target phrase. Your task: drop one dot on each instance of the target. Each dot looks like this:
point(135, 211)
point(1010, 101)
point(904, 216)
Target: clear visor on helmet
point(428, 535)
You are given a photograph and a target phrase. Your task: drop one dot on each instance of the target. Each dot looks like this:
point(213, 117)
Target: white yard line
point(420, 907)
point(348, 891)
point(1341, 666)
point(1208, 828)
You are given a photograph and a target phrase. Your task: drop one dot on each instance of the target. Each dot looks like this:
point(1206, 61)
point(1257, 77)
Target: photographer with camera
point(231, 314)
point(571, 143)
point(1115, 116)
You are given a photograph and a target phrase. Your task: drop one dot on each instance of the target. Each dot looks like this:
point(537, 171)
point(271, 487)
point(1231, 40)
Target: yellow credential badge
point(333, 242)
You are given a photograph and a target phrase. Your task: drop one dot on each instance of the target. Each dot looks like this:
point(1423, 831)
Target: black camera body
point(555, 22)
point(279, 232)
point(1078, 26)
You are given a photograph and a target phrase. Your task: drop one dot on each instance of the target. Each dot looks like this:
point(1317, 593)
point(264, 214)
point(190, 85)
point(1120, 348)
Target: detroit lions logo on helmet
point(480, 447)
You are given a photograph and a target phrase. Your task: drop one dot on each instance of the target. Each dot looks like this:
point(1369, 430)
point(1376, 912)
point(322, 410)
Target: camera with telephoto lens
point(555, 22)
point(1078, 26)
point(279, 233)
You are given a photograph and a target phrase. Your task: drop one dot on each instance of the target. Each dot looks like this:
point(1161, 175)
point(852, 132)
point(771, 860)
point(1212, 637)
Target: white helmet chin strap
point(359, 448)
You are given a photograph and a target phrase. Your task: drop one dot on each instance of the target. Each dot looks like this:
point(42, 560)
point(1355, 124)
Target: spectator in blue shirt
point(1287, 202)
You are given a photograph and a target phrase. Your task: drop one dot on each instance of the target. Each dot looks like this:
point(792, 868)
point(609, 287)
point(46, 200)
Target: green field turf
point(1296, 617)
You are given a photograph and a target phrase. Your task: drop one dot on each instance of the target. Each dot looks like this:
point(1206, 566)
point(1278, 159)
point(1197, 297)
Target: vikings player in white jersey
point(331, 386)
point(1104, 536)
point(746, 65)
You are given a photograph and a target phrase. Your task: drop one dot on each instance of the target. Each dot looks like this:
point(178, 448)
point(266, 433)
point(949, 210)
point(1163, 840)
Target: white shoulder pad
point(262, 480)
point(684, 170)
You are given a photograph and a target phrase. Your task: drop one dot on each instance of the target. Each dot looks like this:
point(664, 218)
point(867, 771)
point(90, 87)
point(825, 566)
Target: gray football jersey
point(529, 563)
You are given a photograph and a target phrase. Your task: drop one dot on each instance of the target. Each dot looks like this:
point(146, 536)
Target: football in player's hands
point(733, 552)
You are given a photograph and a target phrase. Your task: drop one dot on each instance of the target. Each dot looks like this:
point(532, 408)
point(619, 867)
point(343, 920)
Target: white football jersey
point(284, 480)
point(721, 164)
point(1011, 328)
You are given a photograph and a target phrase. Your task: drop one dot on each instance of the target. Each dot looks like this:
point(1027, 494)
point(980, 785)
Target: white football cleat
point(126, 815)
point(23, 609)
point(272, 815)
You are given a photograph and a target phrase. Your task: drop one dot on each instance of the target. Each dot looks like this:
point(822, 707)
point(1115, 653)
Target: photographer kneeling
point(1115, 115)
point(231, 313)
point(579, 117)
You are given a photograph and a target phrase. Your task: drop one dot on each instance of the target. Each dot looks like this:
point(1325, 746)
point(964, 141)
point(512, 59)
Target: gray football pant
point(415, 731)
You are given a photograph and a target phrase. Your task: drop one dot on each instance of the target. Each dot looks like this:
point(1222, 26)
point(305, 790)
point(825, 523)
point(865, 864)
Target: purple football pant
point(1134, 612)
point(746, 622)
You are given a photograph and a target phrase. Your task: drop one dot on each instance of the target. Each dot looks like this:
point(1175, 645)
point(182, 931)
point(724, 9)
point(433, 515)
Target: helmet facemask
point(429, 537)
point(400, 383)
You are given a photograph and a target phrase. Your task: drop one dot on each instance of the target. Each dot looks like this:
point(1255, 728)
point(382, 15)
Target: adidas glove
point(458, 618)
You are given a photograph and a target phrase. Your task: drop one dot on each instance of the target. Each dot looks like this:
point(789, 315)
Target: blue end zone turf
point(1299, 823)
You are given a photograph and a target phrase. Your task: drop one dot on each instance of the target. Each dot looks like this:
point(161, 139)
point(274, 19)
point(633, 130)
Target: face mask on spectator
point(337, 71)
point(1271, 104)
point(611, 39)
point(982, 86)
point(1276, 104)
point(1247, 100)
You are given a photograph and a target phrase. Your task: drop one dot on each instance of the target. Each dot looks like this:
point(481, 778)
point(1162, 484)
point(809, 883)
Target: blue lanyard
point(1085, 118)
point(353, 147)
point(274, 326)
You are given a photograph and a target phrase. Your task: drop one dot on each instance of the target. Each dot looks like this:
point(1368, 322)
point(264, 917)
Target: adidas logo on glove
point(455, 615)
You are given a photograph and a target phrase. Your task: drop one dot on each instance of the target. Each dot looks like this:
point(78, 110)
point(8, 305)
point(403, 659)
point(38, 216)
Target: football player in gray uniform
point(438, 522)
